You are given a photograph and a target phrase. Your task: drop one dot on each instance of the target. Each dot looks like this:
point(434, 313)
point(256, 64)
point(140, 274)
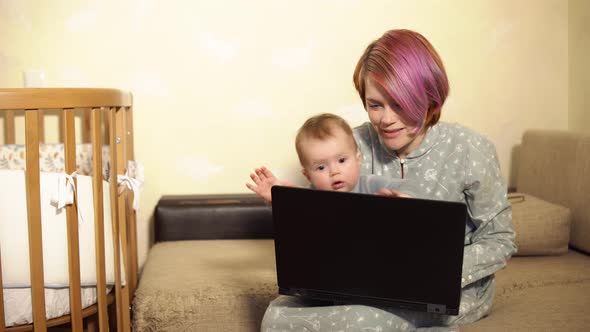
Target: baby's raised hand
point(263, 179)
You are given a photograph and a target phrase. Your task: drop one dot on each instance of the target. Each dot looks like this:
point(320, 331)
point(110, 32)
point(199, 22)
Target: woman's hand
point(392, 193)
point(264, 179)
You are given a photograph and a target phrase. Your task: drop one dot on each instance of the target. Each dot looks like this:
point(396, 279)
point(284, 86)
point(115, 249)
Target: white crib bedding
point(51, 158)
point(14, 241)
point(18, 305)
point(14, 248)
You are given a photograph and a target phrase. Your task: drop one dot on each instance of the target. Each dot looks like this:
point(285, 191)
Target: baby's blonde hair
point(321, 126)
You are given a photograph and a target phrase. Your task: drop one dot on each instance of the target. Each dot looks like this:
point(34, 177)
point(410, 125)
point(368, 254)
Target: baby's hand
point(392, 193)
point(263, 179)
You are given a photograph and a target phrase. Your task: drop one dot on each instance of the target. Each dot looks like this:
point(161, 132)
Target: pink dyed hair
point(406, 66)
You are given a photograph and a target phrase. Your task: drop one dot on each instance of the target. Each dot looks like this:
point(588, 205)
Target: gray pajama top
point(452, 163)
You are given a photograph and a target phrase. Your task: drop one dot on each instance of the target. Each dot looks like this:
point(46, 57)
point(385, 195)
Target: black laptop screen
point(367, 246)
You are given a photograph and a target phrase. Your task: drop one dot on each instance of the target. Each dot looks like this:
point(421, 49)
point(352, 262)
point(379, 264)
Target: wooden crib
point(105, 118)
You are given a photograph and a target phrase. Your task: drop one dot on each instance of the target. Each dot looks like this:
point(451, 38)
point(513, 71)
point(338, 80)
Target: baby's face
point(332, 163)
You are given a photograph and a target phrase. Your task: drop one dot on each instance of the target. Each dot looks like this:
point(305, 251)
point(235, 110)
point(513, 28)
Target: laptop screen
point(360, 248)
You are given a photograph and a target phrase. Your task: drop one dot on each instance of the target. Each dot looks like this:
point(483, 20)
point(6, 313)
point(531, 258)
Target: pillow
point(542, 228)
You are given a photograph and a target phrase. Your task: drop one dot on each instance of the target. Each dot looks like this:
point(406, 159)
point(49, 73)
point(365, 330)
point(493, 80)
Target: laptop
point(366, 249)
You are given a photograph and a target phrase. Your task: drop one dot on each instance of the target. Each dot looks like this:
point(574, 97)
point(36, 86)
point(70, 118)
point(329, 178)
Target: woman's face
point(384, 114)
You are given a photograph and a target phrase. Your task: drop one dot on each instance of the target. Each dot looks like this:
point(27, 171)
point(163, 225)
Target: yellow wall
point(579, 65)
point(222, 86)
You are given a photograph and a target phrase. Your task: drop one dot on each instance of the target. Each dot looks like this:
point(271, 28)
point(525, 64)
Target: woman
point(403, 86)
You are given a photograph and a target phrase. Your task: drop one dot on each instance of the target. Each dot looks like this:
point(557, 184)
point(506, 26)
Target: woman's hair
point(406, 66)
point(320, 127)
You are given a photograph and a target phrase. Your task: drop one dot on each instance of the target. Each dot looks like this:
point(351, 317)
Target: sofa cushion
point(205, 285)
point(553, 308)
point(226, 285)
point(524, 273)
point(555, 166)
point(540, 293)
point(542, 228)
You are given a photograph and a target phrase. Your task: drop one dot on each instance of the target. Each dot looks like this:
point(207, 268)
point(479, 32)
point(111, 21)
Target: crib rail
point(106, 113)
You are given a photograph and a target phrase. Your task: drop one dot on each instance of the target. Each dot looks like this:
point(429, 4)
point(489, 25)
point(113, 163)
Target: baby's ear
point(358, 156)
point(306, 174)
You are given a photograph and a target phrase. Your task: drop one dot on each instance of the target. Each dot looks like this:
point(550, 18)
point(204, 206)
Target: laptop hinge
point(436, 308)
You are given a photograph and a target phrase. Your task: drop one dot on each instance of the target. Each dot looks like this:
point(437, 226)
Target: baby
point(330, 159)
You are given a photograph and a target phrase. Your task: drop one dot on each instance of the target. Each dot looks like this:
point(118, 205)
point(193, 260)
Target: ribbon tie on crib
point(133, 180)
point(66, 190)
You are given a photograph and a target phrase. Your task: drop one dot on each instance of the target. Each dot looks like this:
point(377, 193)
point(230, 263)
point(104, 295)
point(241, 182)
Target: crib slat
point(110, 131)
point(2, 322)
point(41, 126)
point(95, 126)
point(61, 134)
point(68, 133)
point(32, 177)
point(121, 164)
point(9, 133)
point(106, 125)
point(132, 233)
point(86, 126)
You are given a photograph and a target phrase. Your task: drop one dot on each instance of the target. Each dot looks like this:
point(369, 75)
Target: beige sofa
point(216, 284)
point(549, 289)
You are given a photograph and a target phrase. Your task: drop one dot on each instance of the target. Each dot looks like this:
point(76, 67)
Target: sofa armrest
point(203, 217)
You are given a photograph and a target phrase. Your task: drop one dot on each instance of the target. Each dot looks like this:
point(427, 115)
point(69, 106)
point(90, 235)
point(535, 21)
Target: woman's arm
point(492, 240)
